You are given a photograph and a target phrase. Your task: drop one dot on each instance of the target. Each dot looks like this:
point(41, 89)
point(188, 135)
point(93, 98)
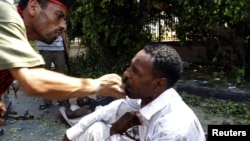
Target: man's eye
point(59, 16)
point(134, 70)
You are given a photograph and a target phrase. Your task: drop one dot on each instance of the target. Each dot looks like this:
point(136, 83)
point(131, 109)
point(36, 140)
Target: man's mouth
point(126, 85)
point(57, 34)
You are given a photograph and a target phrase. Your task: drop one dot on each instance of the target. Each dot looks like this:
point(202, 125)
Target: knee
point(99, 130)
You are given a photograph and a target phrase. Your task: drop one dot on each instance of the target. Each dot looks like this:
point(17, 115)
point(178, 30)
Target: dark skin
point(127, 121)
point(139, 80)
point(86, 106)
point(139, 84)
point(65, 138)
point(84, 110)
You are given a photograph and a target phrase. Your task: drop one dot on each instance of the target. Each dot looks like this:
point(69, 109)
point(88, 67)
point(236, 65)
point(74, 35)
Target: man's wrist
point(96, 83)
point(113, 131)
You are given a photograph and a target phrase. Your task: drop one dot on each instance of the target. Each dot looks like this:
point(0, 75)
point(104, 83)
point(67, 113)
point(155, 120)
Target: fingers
point(119, 92)
point(112, 91)
point(111, 78)
point(111, 85)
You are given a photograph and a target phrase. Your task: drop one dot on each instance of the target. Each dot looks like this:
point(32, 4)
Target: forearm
point(43, 83)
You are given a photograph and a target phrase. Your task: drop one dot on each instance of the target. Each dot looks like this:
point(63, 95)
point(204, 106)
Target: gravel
point(40, 125)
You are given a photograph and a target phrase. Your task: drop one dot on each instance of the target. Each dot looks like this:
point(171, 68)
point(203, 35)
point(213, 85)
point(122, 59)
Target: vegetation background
point(112, 31)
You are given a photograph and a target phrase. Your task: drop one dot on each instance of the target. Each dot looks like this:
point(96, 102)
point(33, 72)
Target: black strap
point(66, 56)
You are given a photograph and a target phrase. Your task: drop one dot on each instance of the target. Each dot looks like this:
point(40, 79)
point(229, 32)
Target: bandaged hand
point(109, 85)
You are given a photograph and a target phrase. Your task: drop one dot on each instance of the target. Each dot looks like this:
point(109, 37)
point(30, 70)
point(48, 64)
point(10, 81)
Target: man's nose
point(126, 73)
point(63, 25)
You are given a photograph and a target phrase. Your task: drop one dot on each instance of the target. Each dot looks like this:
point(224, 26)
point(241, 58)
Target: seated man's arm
point(127, 121)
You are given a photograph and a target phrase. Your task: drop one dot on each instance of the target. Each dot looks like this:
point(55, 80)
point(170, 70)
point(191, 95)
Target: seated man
point(152, 104)
point(72, 113)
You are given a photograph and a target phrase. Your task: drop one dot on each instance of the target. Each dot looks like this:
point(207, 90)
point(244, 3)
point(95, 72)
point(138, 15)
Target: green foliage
point(197, 19)
point(112, 31)
point(77, 65)
point(192, 100)
point(217, 23)
point(237, 74)
point(238, 110)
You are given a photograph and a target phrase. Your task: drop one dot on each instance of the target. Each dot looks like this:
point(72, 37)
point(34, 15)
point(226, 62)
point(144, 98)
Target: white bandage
point(121, 90)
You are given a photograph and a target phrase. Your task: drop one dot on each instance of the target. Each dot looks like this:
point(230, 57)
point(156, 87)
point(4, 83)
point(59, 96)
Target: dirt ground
point(39, 125)
point(45, 126)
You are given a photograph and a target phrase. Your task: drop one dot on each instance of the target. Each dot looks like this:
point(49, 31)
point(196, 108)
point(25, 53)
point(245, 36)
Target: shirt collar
point(160, 102)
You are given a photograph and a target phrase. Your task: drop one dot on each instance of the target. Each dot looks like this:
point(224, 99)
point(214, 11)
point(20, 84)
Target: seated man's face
point(138, 77)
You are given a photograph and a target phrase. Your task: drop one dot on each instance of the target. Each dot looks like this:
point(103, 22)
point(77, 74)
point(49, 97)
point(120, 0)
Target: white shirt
point(167, 118)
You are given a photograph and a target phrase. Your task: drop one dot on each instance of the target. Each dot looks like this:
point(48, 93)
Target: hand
point(110, 85)
point(127, 121)
point(2, 112)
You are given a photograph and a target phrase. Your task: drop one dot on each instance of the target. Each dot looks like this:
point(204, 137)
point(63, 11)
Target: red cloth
point(6, 80)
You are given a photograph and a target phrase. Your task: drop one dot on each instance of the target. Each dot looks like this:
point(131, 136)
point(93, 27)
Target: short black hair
point(23, 3)
point(167, 62)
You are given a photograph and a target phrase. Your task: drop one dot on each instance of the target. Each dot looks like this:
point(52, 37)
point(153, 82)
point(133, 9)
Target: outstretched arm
point(40, 82)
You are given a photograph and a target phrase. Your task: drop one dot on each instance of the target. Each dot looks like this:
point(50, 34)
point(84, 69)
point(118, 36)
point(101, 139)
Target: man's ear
point(161, 84)
point(33, 7)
